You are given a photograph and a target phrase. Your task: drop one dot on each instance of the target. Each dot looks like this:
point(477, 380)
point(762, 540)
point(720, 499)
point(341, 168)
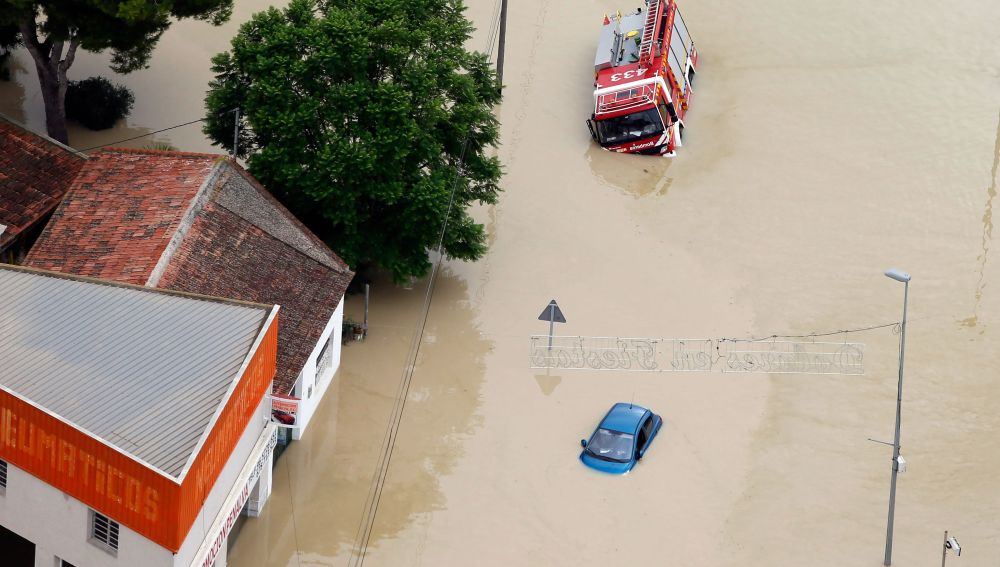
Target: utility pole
point(503, 40)
point(952, 544)
point(236, 131)
point(364, 326)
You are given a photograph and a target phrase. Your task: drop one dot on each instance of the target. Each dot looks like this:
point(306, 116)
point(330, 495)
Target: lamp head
point(898, 275)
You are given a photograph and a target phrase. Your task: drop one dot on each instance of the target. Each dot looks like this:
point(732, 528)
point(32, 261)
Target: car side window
point(643, 436)
point(648, 426)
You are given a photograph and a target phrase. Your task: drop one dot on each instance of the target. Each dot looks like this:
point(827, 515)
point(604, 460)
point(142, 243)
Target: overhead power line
point(175, 126)
point(812, 335)
point(142, 135)
point(364, 533)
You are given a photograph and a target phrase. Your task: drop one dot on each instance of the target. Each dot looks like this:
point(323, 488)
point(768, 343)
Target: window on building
point(64, 563)
point(103, 531)
point(325, 358)
point(3, 476)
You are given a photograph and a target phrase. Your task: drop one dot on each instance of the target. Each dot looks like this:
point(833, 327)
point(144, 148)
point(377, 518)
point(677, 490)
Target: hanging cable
point(157, 131)
point(142, 135)
point(811, 335)
point(365, 526)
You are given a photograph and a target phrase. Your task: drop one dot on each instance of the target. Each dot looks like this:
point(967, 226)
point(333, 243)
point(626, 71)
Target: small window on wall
point(3, 477)
point(64, 563)
point(103, 532)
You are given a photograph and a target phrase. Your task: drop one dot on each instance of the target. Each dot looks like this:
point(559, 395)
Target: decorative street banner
point(696, 355)
point(284, 410)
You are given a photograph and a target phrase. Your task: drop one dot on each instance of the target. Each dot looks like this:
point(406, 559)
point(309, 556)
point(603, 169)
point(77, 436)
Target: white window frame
point(112, 529)
point(3, 478)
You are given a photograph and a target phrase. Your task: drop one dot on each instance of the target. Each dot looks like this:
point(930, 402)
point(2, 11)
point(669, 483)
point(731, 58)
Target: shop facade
point(135, 426)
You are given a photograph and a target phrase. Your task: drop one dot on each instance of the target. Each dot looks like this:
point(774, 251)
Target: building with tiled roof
point(35, 173)
point(133, 421)
point(200, 223)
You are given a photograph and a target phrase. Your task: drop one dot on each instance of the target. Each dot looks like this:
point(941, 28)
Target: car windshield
point(630, 127)
point(611, 445)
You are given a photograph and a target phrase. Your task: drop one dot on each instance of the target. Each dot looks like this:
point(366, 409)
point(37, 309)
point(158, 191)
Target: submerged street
point(825, 144)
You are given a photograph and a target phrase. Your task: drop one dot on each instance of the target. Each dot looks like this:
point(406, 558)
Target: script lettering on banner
point(696, 355)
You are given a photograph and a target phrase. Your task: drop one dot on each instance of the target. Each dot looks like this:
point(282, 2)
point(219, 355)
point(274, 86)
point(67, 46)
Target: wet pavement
point(826, 143)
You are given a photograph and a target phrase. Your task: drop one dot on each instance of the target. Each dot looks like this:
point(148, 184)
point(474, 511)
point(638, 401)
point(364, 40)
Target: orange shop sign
point(84, 467)
point(125, 489)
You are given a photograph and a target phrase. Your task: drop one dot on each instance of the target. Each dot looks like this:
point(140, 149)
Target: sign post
point(553, 315)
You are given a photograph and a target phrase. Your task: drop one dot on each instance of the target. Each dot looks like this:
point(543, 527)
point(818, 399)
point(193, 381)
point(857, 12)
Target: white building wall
point(59, 525)
point(224, 485)
point(310, 387)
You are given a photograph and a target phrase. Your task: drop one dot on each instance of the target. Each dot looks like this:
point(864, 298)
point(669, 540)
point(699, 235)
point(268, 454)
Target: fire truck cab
point(643, 71)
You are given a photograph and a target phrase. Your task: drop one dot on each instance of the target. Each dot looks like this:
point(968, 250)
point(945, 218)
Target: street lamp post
point(952, 544)
point(899, 276)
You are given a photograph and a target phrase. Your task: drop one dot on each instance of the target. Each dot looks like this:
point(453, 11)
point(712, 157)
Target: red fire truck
point(642, 80)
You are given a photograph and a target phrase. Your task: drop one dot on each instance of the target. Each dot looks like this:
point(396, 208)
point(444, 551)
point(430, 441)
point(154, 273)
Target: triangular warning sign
point(552, 313)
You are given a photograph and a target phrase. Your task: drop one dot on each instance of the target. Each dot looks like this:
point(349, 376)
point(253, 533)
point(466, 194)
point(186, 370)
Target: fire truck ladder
point(649, 30)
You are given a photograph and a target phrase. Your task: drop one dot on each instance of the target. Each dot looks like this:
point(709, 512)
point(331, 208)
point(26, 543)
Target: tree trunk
point(55, 108)
point(51, 68)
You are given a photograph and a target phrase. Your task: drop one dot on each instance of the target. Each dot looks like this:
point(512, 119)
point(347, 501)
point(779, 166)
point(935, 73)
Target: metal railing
point(626, 98)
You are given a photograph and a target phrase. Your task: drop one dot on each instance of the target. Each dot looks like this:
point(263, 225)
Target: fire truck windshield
point(630, 127)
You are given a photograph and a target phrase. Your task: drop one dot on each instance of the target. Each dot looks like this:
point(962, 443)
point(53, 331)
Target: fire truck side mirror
point(590, 126)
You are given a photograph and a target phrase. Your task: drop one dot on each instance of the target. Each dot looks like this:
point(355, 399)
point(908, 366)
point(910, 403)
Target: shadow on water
point(20, 100)
point(118, 136)
point(635, 175)
point(991, 193)
point(321, 483)
point(547, 383)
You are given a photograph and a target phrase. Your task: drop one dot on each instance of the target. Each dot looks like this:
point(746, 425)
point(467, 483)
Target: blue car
point(621, 439)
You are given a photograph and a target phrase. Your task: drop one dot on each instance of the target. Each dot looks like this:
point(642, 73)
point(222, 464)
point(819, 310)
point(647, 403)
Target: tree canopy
point(362, 116)
point(52, 31)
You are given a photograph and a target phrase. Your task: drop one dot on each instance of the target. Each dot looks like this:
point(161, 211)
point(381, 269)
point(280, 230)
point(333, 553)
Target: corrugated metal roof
point(143, 369)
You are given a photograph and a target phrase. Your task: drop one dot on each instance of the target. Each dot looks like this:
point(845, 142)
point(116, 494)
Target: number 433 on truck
point(643, 71)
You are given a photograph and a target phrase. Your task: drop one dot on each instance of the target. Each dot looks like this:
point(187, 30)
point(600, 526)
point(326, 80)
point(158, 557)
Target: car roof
point(624, 417)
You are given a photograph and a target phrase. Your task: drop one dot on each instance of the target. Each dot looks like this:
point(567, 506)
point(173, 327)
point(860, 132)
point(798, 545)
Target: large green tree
point(362, 116)
point(53, 30)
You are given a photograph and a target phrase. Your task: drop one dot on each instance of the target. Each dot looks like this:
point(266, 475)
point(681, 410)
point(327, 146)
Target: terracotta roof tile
point(35, 173)
point(121, 213)
point(262, 269)
point(234, 240)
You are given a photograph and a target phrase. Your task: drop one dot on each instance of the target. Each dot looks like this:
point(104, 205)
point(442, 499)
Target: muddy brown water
point(826, 142)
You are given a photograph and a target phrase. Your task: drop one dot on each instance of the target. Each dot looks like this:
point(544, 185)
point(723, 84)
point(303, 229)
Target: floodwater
point(171, 91)
point(826, 143)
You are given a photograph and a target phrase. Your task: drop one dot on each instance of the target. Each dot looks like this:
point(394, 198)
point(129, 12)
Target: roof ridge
point(173, 153)
point(341, 265)
point(184, 223)
point(109, 283)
